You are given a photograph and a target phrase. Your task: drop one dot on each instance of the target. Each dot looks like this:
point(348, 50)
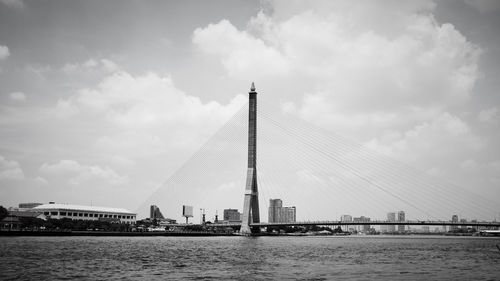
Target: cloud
point(18, 96)
point(240, 51)
point(387, 75)
point(77, 173)
point(17, 4)
point(91, 65)
point(348, 59)
point(40, 181)
point(146, 111)
point(4, 52)
point(488, 115)
point(439, 142)
point(10, 170)
point(484, 6)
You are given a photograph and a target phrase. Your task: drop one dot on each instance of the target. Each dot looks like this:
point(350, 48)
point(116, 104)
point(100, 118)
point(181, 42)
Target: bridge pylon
point(251, 200)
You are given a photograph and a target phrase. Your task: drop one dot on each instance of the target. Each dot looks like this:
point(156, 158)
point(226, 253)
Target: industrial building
point(79, 212)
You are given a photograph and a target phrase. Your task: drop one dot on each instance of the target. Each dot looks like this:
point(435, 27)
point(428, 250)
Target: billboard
point(187, 211)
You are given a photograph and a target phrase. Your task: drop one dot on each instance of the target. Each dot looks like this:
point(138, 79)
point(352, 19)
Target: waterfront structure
point(232, 215)
point(391, 217)
point(278, 213)
point(401, 218)
point(251, 201)
point(80, 212)
point(155, 213)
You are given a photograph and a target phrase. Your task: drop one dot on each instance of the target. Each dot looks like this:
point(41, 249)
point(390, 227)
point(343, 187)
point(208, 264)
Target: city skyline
point(94, 114)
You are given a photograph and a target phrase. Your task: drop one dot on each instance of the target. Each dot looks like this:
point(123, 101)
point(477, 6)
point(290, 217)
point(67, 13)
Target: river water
point(243, 258)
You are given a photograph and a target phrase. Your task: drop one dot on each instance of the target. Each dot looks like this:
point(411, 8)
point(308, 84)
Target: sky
point(102, 102)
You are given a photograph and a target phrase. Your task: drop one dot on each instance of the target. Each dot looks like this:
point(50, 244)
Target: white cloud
point(488, 115)
point(40, 181)
point(240, 51)
point(441, 141)
point(4, 52)
point(348, 61)
point(147, 111)
point(91, 65)
point(18, 96)
point(10, 170)
point(225, 187)
point(77, 173)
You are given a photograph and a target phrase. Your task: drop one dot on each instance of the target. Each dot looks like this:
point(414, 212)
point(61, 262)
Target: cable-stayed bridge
point(324, 175)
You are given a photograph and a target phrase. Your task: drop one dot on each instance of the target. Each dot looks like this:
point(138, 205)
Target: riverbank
point(109, 233)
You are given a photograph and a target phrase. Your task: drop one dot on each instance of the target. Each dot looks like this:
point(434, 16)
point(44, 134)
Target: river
point(254, 258)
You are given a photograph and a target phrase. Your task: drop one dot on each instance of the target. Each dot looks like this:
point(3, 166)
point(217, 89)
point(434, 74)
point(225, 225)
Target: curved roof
point(81, 208)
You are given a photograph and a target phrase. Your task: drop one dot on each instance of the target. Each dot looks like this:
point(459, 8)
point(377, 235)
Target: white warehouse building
point(79, 212)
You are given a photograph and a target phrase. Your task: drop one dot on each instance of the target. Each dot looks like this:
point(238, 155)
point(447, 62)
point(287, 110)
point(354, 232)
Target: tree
point(3, 212)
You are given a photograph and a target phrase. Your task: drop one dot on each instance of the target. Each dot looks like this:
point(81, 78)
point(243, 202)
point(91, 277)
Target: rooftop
point(81, 208)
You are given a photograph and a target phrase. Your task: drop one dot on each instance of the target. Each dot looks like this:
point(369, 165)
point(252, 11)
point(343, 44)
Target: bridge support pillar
point(251, 200)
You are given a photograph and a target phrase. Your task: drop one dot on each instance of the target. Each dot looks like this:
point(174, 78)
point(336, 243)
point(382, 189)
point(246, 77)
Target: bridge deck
point(310, 223)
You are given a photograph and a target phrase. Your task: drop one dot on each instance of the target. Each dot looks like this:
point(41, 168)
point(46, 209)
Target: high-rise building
point(278, 213)
point(288, 214)
point(274, 213)
point(401, 218)
point(391, 217)
point(232, 215)
point(155, 213)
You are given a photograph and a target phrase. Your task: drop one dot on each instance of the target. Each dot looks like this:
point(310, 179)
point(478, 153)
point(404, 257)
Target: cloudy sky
point(102, 102)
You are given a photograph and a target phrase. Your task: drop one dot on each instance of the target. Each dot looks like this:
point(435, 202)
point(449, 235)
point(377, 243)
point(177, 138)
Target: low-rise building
point(80, 212)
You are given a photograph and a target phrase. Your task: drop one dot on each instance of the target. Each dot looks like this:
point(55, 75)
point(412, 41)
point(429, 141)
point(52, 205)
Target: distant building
point(155, 213)
point(275, 206)
point(278, 213)
point(366, 227)
point(391, 217)
point(401, 218)
point(288, 214)
point(463, 226)
point(345, 218)
point(232, 215)
point(79, 212)
point(454, 218)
